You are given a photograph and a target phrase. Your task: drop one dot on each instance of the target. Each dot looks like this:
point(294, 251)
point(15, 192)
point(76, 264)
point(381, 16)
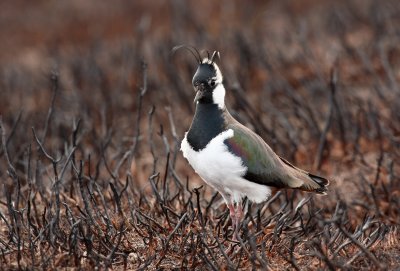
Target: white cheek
point(219, 95)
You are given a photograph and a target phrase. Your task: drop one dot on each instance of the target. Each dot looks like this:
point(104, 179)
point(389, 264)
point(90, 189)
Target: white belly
point(223, 170)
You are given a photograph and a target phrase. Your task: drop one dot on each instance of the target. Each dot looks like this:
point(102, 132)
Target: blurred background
point(318, 80)
point(276, 57)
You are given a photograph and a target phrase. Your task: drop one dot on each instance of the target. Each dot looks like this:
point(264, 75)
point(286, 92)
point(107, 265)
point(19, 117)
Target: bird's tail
point(319, 184)
point(306, 181)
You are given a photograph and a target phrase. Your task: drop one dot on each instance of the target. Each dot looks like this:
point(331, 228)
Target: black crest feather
point(214, 56)
point(191, 49)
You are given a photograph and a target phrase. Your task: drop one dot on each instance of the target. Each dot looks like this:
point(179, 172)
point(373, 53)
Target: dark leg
point(238, 219)
point(236, 215)
point(232, 213)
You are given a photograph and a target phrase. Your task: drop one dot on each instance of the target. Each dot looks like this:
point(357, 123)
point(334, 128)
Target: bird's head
point(207, 82)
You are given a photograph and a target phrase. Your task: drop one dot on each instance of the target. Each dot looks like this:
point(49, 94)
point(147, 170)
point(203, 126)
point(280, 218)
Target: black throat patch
point(208, 122)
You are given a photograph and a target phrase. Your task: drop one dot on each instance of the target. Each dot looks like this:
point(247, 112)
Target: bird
point(230, 157)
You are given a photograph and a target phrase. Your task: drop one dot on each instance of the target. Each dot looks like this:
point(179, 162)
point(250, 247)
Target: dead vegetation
point(90, 169)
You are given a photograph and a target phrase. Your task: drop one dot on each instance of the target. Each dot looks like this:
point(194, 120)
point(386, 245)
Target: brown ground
point(90, 169)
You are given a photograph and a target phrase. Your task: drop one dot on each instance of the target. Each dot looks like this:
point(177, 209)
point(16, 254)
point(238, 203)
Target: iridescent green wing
point(263, 165)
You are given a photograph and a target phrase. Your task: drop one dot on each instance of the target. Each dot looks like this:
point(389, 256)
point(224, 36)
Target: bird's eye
point(212, 83)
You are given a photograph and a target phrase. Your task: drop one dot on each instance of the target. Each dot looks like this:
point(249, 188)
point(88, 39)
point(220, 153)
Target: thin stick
point(54, 80)
point(322, 141)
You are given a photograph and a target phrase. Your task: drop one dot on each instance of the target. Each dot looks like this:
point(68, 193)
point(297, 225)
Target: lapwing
point(230, 157)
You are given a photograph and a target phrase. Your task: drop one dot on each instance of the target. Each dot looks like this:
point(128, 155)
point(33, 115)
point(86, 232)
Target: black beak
point(199, 94)
point(200, 89)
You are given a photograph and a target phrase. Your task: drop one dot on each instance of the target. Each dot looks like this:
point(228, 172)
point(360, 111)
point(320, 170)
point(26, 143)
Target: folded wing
point(265, 167)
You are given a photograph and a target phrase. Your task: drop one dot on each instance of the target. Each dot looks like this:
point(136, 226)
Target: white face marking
point(223, 170)
point(219, 90)
point(219, 95)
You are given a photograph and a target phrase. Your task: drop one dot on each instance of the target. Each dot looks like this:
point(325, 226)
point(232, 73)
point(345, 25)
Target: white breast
point(223, 170)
